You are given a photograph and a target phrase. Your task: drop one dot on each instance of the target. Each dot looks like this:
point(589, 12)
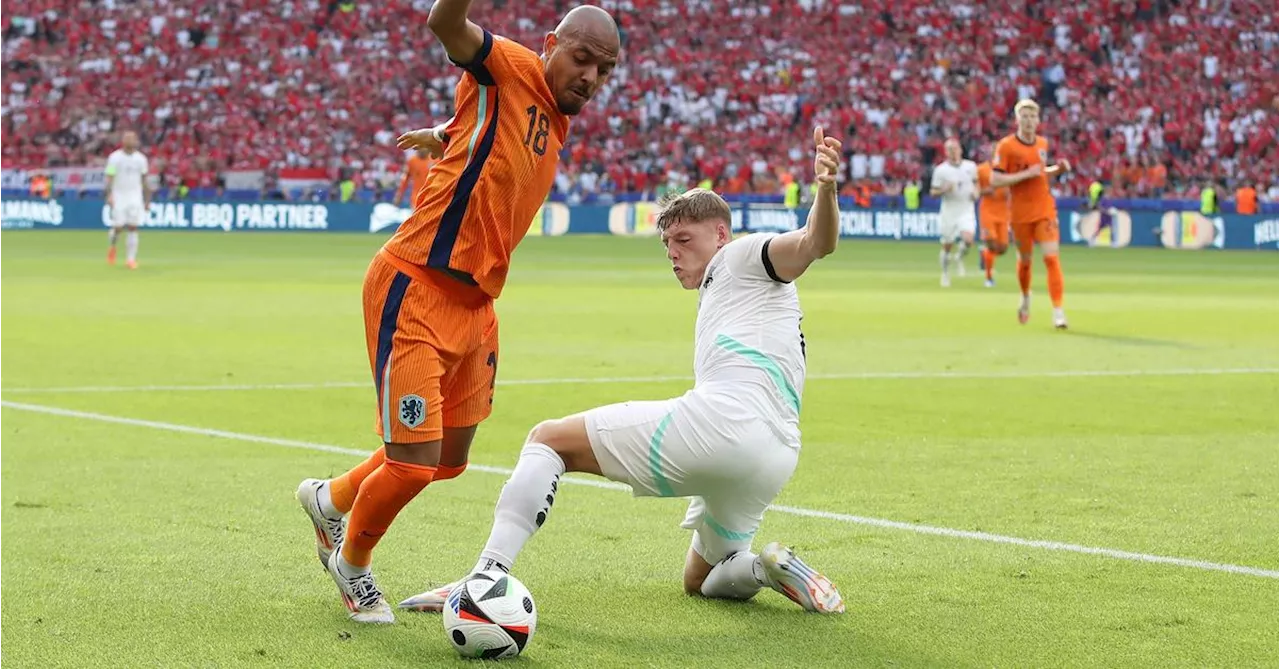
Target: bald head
point(589, 21)
point(580, 55)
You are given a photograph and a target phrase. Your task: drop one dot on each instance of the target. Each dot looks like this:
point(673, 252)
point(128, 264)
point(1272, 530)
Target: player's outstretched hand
point(424, 138)
point(826, 162)
point(1064, 165)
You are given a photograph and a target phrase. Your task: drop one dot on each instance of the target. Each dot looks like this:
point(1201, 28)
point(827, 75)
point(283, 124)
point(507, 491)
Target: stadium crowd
point(1153, 96)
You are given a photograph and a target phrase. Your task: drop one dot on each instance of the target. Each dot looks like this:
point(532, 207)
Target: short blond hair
point(692, 206)
point(1025, 103)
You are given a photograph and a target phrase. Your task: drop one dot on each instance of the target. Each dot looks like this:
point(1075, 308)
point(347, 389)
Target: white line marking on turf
point(609, 485)
point(1014, 374)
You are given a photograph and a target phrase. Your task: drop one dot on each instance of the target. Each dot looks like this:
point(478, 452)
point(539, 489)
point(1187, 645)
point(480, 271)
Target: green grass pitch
point(1150, 427)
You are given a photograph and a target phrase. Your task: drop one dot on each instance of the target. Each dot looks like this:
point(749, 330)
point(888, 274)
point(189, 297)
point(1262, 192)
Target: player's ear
point(723, 234)
point(549, 44)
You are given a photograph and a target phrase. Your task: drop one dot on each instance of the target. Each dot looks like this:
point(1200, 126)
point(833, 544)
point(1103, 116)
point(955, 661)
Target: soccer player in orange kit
point(993, 216)
point(416, 169)
point(1022, 163)
point(430, 326)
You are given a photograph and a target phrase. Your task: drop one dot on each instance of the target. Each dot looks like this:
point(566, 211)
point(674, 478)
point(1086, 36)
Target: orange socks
point(1024, 275)
point(382, 494)
point(988, 261)
point(1054, 267)
point(446, 472)
point(342, 490)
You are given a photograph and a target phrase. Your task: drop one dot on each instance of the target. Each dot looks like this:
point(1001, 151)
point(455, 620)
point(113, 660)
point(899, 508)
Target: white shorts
point(950, 228)
point(127, 212)
point(708, 447)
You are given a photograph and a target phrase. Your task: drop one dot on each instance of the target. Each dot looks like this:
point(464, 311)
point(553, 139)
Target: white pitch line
point(609, 485)
point(1012, 374)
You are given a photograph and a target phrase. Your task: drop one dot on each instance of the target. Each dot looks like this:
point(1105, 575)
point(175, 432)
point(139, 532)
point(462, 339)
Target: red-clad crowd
point(1152, 96)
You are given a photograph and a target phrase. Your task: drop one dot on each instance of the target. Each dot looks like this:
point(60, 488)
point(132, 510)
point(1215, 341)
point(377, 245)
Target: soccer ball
point(490, 615)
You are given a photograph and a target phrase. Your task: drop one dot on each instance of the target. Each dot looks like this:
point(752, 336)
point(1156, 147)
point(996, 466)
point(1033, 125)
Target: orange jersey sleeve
point(994, 206)
point(497, 170)
point(1031, 199)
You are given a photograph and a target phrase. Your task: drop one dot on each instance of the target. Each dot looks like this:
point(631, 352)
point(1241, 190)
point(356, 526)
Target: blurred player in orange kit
point(430, 326)
point(1022, 163)
point(416, 169)
point(993, 216)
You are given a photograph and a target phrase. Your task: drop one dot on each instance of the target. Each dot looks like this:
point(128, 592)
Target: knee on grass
point(693, 583)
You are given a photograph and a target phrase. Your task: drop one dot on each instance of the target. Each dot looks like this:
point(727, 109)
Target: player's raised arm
point(793, 252)
point(461, 38)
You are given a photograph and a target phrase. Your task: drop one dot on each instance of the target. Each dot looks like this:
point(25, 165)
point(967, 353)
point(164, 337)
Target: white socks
point(348, 570)
point(325, 502)
point(739, 576)
point(944, 259)
point(523, 506)
point(131, 245)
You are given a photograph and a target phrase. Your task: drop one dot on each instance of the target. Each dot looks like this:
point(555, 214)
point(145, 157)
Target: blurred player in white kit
point(956, 182)
point(127, 196)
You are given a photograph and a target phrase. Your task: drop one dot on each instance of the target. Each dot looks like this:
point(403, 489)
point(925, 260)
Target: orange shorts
point(1042, 231)
point(995, 231)
point(433, 349)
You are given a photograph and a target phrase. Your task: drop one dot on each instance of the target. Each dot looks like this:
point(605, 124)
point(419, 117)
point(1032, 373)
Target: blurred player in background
point(417, 167)
point(732, 442)
point(1022, 164)
point(430, 326)
point(993, 215)
point(128, 197)
point(955, 181)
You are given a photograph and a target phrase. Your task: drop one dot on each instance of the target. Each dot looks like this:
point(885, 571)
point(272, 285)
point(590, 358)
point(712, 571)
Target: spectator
point(702, 86)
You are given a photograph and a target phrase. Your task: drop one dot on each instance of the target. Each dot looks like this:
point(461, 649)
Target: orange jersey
point(504, 146)
point(993, 208)
point(1031, 199)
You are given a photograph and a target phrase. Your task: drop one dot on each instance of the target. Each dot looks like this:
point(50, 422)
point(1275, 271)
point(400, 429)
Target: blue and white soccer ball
point(490, 615)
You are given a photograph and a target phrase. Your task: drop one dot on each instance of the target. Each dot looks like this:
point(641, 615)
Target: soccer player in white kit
point(956, 181)
point(127, 196)
point(732, 442)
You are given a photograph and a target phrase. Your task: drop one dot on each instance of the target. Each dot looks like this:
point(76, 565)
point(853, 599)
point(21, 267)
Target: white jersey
point(129, 173)
point(748, 342)
point(957, 203)
point(732, 442)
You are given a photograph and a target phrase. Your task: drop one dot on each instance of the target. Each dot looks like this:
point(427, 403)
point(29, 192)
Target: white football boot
point(1059, 318)
point(329, 532)
point(799, 582)
point(361, 594)
point(431, 601)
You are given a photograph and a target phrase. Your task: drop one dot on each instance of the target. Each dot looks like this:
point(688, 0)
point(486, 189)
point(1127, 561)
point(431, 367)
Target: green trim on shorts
point(655, 457)
point(725, 532)
point(763, 362)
